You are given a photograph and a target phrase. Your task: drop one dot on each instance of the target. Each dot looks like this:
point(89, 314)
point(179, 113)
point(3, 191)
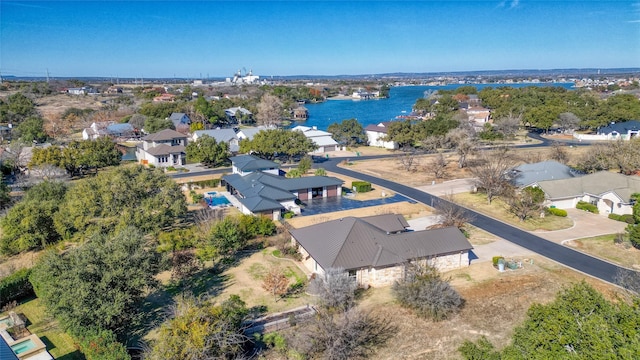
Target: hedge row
point(15, 287)
point(628, 218)
point(583, 205)
point(207, 183)
point(361, 186)
point(557, 212)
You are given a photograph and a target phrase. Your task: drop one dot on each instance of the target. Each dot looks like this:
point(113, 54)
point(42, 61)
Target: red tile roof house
point(261, 190)
point(375, 250)
point(163, 149)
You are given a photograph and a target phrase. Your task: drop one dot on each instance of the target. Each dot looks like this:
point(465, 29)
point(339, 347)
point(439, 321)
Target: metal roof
point(353, 243)
point(221, 135)
point(620, 127)
point(164, 149)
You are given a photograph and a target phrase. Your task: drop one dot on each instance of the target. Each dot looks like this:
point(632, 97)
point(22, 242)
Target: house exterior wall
point(375, 139)
point(332, 191)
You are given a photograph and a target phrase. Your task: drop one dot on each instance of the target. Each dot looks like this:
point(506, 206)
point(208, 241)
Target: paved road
point(566, 256)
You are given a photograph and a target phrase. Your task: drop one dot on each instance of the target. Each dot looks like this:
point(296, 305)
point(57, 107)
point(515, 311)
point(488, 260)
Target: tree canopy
point(202, 330)
point(349, 132)
point(79, 156)
point(127, 196)
point(270, 144)
point(97, 284)
point(208, 151)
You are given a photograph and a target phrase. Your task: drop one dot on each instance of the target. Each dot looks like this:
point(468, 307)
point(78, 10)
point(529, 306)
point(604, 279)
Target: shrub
point(628, 218)
point(361, 186)
point(557, 212)
point(15, 287)
point(583, 205)
point(496, 259)
point(98, 344)
point(427, 293)
point(288, 214)
point(171, 168)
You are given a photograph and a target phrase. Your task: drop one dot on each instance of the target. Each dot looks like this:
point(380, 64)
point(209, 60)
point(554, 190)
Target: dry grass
point(498, 209)
point(604, 247)
point(495, 304)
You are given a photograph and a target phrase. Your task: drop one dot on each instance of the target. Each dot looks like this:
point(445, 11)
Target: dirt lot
point(495, 304)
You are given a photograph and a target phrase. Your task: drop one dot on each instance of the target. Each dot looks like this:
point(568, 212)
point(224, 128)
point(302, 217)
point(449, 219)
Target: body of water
point(401, 100)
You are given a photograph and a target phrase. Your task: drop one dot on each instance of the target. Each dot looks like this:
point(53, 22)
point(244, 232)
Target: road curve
point(576, 260)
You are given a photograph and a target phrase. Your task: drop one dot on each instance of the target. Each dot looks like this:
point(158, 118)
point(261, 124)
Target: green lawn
point(604, 247)
point(498, 210)
point(59, 344)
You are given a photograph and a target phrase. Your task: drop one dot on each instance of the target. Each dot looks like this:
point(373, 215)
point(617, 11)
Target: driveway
point(585, 224)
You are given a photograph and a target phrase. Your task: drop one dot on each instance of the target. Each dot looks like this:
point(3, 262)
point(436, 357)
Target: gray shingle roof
point(595, 184)
point(164, 135)
point(252, 163)
point(353, 243)
point(221, 135)
point(528, 174)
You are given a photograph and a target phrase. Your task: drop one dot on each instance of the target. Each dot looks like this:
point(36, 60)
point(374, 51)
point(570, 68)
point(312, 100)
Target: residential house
point(82, 91)
point(179, 119)
point(228, 136)
point(238, 115)
point(530, 174)
point(377, 134)
point(300, 113)
point(322, 139)
point(376, 251)
point(108, 128)
point(610, 192)
point(624, 130)
point(478, 115)
point(163, 149)
point(261, 189)
point(164, 98)
point(250, 132)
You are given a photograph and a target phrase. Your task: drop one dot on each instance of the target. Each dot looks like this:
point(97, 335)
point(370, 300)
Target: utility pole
point(47, 75)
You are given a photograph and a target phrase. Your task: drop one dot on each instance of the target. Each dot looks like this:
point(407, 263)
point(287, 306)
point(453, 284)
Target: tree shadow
point(76, 355)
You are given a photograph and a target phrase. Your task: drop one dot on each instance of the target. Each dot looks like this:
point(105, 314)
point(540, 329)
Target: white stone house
point(376, 250)
point(163, 149)
point(377, 133)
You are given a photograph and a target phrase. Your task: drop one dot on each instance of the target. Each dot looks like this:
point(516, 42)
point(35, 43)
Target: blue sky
point(193, 39)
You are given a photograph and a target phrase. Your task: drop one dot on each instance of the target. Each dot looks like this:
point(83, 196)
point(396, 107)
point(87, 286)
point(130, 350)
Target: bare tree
point(407, 159)
point(437, 166)
point(269, 110)
point(433, 143)
point(508, 125)
point(597, 159)
point(352, 334)
point(525, 203)
point(184, 263)
point(450, 214)
point(491, 173)
point(335, 289)
point(559, 153)
point(464, 142)
point(275, 282)
point(568, 121)
point(207, 218)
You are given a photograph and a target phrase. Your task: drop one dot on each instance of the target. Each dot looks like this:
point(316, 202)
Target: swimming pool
point(23, 346)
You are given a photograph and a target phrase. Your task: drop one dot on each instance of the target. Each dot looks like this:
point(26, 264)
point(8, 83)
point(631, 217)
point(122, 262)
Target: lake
point(400, 102)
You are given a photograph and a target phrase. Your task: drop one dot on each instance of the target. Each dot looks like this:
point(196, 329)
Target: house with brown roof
point(163, 149)
point(376, 250)
point(610, 192)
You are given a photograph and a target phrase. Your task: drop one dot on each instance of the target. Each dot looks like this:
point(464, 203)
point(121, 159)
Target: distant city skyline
point(202, 39)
